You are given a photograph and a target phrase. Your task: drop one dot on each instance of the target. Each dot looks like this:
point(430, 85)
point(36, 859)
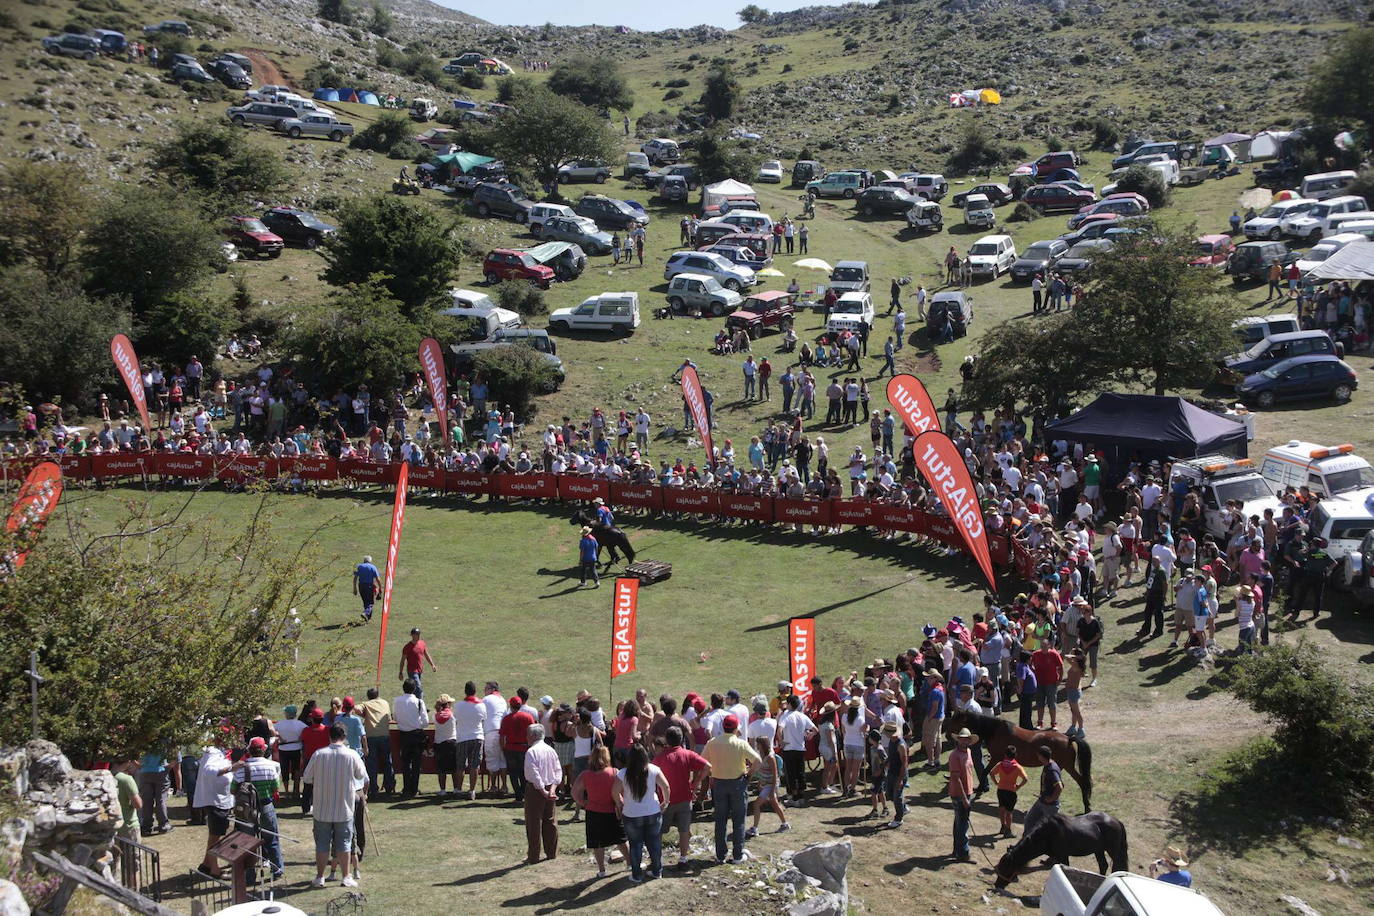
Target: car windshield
point(528, 260)
point(847, 273)
point(1320, 253)
point(1243, 488)
point(516, 193)
point(309, 219)
point(1353, 479)
point(975, 203)
point(983, 248)
point(772, 164)
point(252, 225)
point(1206, 247)
point(1083, 249)
point(847, 308)
point(1038, 252)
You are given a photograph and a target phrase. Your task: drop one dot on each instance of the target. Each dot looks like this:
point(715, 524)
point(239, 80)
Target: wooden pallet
point(649, 571)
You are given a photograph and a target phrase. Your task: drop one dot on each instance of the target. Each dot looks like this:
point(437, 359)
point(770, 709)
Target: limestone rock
point(827, 862)
point(12, 902)
point(826, 904)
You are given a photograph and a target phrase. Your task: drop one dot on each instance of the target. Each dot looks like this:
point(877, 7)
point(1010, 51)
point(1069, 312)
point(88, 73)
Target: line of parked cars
point(265, 236)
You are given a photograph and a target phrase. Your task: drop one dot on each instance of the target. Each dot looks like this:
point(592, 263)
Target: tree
point(389, 129)
point(752, 14)
point(1023, 362)
point(185, 324)
point(1154, 320)
point(339, 11)
point(722, 94)
point(594, 81)
point(549, 131)
point(414, 250)
point(42, 214)
point(520, 297)
point(718, 157)
point(55, 339)
point(199, 621)
point(1341, 85)
point(149, 243)
point(1147, 182)
point(359, 335)
point(218, 162)
point(382, 22)
point(515, 375)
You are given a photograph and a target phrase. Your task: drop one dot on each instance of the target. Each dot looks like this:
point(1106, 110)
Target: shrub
point(324, 74)
point(1019, 184)
point(471, 79)
point(515, 375)
point(1024, 213)
point(1106, 135)
point(672, 94)
point(519, 296)
point(977, 150)
point(390, 128)
point(409, 150)
point(675, 84)
point(1145, 181)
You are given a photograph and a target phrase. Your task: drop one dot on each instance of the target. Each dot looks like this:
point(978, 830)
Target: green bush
point(675, 84)
point(1106, 135)
point(1024, 213)
point(519, 296)
point(672, 94)
point(471, 79)
point(515, 375)
point(411, 151)
point(1019, 184)
point(1147, 182)
point(390, 128)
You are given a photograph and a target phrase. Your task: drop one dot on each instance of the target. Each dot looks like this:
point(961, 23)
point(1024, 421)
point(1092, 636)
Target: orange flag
point(940, 462)
point(398, 517)
point(624, 622)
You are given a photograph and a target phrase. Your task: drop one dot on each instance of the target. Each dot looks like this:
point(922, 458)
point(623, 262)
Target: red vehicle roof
point(771, 295)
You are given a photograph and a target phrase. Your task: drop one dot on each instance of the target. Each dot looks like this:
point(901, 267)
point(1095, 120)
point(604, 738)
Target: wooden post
point(81, 856)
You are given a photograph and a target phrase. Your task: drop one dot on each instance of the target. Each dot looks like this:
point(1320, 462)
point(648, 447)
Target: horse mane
point(983, 725)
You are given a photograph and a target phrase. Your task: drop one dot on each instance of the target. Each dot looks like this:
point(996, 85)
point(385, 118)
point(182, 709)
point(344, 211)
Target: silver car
point(316, 125)
point(579, 230)
point(583, 170)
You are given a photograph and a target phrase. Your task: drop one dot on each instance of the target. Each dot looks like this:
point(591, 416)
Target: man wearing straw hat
point(1171, 868)
point(961, 791)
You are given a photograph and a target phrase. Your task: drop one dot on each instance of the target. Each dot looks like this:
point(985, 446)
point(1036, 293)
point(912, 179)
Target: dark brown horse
point(1073, 755)
point(1060, 836)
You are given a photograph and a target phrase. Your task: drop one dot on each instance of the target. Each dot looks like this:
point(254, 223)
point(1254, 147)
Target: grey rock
point(827, 862)
point(827, 904)
point(1299, 906)
point(12, 901)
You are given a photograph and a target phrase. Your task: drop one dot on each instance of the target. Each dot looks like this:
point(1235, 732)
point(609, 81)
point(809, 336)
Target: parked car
point(992, 255)
point(250, 235)
point(1300, 378)
point(805, 170)
point(298, 226)
point(579, 230)
point(674, 189)
point(926, 184)
point(69, 44)
point(583, 170)
point(465, 354)
point(730, 275)
point(636, 164)
point(684, 170)
point(1072, 892)
point(478, 175)
point(1313, 223)
point(1121, 206)
point(699, 293)
point(1213, 251)
point(997, 193)
point(1251, 329)
point(1051, 162)
point(771, 309)
point(1140, 199)
point(267, 93)
point(850, 312)
point(316, 125)
point(756, 248)
point(243, 62)
point(850, 277)
point(953, 304)
point(618, 312)
point(1251, 260)
point(1052, 197)
point(1277, 348)
point(978, 212)
point(567, 260)
point(884, 201)
point(174, 26)
point(468, 60)
point(502, 200)
point(268, 114)
point(1095, 229)
point(509, 264)
point(111, 41)
point(439, 139)
point(1169, 147)
point(1079, 258)
point(1038, 258)
point(770, 171)
point(661, 150)
point(749, 221)
point(229, 73)
point(191, 72)
point(609, 212)
point(1060, 176)
point(541, 212)
point(1325, 249)
point(837, 184)
point(712, 231)
point(1074, 184)
point(925, 216)
point(1325, 185)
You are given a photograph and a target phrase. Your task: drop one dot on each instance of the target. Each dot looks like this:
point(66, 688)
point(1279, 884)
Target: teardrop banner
point(126, 361)
point(432, 362)
point(938, 459)
point(912, 401)
point(398, 518)
point(696, 403)
point(38, 496)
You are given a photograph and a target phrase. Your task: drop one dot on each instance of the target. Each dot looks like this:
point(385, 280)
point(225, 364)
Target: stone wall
point(59, 807)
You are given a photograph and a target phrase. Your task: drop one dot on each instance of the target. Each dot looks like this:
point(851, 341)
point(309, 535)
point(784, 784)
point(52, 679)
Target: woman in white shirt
point(640, 792)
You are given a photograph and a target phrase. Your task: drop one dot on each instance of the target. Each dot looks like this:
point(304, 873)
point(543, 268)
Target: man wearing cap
point(338, 778)
point(1170, 868)
point(731, 760)
point(777, 703)
point(761, 724)
point(264, 775)
point(961, 791)
point(414, 654)
point(411, 718)
point(934, 718)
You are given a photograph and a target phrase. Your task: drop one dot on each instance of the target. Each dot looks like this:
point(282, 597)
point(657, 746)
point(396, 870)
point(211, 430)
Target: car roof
point(688, 275)
point(773, 295)
point(1214, 238)
point(1297, 335)
point(863, 264)
point(1308, 358)
point(948, 296)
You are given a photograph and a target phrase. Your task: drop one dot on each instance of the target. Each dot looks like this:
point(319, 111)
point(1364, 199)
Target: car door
point(1297, 383)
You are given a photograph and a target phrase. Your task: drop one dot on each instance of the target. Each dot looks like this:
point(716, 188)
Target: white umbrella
point(813, 264)
point(1256, 197)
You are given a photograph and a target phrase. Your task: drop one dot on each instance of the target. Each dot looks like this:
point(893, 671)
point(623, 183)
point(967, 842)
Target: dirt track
point(265, 72)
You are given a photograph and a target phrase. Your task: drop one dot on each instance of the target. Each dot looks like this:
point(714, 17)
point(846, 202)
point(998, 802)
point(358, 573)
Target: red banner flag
point(398, 517)
point(801, 653)
point(126, 361)
point(696, 403)
point(38, 496)
point(940, 462)
point(624, 622)
point(912, 402)
point(432, 361)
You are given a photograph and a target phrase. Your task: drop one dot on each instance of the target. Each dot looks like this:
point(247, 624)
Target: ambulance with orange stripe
point(1326, 470)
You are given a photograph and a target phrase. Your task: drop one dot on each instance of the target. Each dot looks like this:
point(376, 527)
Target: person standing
point(1090, 638)
point(731, 759)
point(899, 327)
point(889, 365)
point(195, 372)
point(895, 777)
point(470, 715)
point(376, 714)
point(961, 791)
point(495, 708)
point(1010, 776)
point(593, 791)
point(411, 718)
point(587, 549)
point(542, 774)
point(896, 293)
point(765, 372)
point(445, 744)
point(933, 718)
point(1051, 787)
point(215, 798)
point(515, 744)
point(365, 578)
point(803, 235)
point(750, 370)
point(1275, 281)
point(129, 804)
point(1026, 688)
point(339, 778)
point(1037, 294)
point(414, 654)
point(264, 775)
point(152, 789)
point(640, 791)
point(794, 727)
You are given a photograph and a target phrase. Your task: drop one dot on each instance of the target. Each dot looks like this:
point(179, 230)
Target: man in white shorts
point(496, 707)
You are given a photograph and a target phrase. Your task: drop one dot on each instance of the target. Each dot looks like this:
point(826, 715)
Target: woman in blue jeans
point(641, 790)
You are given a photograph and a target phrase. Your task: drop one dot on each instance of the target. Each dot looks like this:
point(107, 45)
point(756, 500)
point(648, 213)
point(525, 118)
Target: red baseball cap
point(257, 744)
point(730, 723)
point(317, 715)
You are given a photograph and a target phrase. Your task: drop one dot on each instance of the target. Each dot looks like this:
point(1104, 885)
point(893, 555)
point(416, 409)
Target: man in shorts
point(471, 714)
point(1048, 666)
point(339, 778)
point(496, 707)
point(685, 771)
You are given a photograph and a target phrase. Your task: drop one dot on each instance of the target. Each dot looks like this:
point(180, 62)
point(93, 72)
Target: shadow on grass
point(588, 892)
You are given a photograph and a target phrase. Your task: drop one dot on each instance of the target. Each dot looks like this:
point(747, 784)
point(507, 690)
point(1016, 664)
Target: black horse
point(1060, 836)
point(1074, 755)
point(607, 537)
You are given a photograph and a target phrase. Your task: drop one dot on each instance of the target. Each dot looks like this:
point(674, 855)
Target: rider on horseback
point(603, 513)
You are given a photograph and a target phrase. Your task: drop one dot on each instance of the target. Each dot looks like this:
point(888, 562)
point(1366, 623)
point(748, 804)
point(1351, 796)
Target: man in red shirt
point(515, 729)
point(414, 654)
point(1048, 666)
point(961, 792)
point(820, 695)
point(313, 738)
point(685, 771)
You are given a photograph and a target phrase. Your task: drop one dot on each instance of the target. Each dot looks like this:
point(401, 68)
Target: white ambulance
point(1328, 470)
point(1222, 479)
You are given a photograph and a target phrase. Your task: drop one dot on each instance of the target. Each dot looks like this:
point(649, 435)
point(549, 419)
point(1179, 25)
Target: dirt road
point(265, 72)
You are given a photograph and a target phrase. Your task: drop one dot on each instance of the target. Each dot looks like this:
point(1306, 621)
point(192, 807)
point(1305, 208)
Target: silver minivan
point(1326, 184)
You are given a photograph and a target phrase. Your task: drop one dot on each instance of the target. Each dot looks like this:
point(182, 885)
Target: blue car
point(1300, 378)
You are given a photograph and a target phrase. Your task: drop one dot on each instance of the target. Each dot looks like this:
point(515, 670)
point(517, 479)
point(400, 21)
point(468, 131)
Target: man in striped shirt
point(339, 778)
point(265, 776)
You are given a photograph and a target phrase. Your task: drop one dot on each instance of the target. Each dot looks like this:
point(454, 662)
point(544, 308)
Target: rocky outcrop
point(62, 807)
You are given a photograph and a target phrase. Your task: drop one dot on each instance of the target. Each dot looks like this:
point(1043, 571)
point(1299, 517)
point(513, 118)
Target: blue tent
point(347, 95)
point(327, 95)
point(368, 98)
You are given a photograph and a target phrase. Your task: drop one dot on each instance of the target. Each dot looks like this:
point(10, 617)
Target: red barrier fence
point(565, 487)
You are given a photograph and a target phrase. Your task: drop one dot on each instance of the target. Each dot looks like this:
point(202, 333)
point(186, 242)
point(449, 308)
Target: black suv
point(1251, 260)
point(298, 226)
point(502, 200)
point(609, 212)
point(230, 74)
point(1049, 197)
point(997, 193)
point(883, 201)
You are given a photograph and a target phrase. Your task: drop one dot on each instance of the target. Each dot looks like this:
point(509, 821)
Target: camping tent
point(1238, 142)
point(1144, 427)
point(989, 96)
point(1268, 143)
point(1354, 262)
point(368, 98)
point(462, 161)
point(327, 95)
point(713, 195)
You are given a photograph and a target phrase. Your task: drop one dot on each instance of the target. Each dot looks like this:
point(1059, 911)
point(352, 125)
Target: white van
point(1325, 249)
point(1312, 225)
point(992, 255)
point(1324, 185)
point(1327, 470)
point(1267, 224)
point(1362, 227)
point(617, 312)
point(485, 316)
point(1335, 224)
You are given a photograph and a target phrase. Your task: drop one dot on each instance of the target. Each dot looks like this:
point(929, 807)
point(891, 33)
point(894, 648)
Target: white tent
point(713, 194)
point(1354, 262)
point(1267, 143)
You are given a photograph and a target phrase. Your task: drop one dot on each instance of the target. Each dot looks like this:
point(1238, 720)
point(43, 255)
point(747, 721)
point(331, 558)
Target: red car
point(1049, 163)
point(771, 309)
point(506, 264)
point(1049, 197)
point(251, 236)
point(1213, 251)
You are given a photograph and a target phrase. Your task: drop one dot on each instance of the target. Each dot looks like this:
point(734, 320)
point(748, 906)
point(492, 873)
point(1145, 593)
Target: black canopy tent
point(1144, 427)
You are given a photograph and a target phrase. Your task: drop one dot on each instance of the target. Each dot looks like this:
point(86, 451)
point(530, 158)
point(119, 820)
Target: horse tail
point(625, 545)
point(1120, 862)
point(1085, 767)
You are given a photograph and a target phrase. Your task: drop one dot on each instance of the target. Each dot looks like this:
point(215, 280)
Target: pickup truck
point(1071, 892)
